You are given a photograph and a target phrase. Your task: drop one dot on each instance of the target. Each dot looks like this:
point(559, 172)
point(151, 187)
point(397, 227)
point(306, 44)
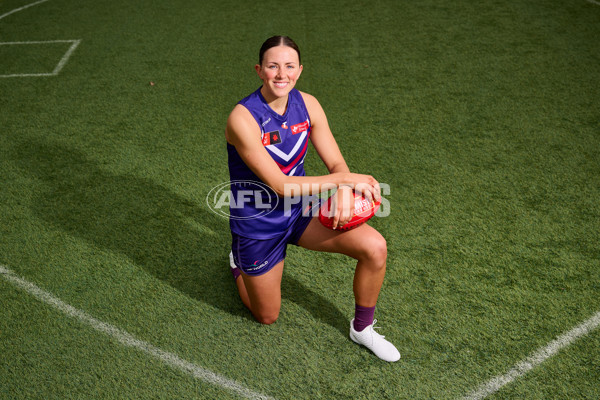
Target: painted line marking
point(535, 359)
point(60, 64)
point(22, 8)
point(126, 339)
point(594, 2)
point(65, 57)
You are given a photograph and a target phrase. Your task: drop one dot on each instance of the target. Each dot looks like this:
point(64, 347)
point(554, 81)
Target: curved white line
point(22, 8)
point(126, 339)
point(535, 359)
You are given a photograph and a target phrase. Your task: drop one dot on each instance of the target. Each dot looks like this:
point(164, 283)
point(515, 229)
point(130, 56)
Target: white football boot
point(374, 342)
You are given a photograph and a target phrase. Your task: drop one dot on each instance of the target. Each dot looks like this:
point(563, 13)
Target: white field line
point(65, 58)
point(594, 2)
point(128, 340)
point(22, 8)
point(60, 64)
point(535, 359)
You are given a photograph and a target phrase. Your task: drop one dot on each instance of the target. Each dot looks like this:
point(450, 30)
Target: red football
point(363, 211)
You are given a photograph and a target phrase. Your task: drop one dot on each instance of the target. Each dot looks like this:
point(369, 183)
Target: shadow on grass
point(319, 307)
point(171, 237)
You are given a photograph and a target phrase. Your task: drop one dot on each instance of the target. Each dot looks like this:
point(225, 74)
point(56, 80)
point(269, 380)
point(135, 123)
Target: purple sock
point(363, 317)
point(235, 272)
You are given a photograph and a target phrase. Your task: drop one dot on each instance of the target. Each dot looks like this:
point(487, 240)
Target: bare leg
point(369, 248)
point(262, 294)
point(242, 291)
point(364, 244)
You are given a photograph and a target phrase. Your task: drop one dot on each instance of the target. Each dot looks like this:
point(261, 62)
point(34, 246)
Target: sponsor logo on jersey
point(301, 127)
point(255, 266)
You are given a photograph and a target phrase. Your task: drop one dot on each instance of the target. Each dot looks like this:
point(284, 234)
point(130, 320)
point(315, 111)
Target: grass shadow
point(317, 305)
point(169, 236)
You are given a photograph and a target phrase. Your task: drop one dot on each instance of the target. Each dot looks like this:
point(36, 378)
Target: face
point(279, 71)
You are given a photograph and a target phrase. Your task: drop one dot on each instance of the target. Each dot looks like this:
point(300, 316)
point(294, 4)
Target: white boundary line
point(128, 340)
point(535, 359)
point(22, 8)
point(65, 58)
point(60, 64)
point(594, 2)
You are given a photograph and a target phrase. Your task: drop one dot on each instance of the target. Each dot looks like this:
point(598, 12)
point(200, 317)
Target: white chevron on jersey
point(287, 157)
point(292, 172)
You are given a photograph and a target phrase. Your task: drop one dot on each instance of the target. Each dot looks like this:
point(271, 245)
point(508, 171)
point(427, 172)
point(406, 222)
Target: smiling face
point(279, 71)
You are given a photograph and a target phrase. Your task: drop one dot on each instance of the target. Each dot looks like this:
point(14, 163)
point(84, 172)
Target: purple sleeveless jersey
point(255, 210)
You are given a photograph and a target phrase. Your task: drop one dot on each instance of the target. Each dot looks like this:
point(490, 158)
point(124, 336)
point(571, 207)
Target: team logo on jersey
point(269, 138)
point(284, 125)
point(301, 127)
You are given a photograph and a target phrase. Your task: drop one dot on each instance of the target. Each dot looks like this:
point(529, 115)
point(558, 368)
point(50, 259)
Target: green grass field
point(482, 117)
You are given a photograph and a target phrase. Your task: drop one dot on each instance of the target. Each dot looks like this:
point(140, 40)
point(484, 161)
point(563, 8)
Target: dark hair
point(275, 41)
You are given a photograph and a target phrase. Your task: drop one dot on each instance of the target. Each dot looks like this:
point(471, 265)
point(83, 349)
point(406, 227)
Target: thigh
point(354, 243)
point(264, 292)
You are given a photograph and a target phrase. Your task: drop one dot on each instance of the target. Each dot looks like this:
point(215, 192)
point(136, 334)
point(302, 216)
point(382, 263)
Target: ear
point(258, 69)
point(300, 70)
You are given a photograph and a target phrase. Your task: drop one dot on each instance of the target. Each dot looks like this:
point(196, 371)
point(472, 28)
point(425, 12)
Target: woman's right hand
point(365, 185)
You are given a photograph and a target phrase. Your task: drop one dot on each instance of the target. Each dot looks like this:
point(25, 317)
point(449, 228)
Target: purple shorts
point(258, 256)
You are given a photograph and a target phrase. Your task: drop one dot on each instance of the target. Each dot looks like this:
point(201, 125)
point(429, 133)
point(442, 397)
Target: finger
point(365, 190)
point(336, 220)
point(377, 193)
point(337, 215)
point(333, 211)
point(343, 213)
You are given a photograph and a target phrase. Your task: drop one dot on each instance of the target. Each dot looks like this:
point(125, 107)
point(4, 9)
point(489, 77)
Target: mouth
point(280, 85)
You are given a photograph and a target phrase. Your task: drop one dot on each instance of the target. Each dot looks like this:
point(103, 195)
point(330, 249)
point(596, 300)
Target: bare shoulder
point(239, 113)
point(314, 107)
point(240, 123)
point(310, 100)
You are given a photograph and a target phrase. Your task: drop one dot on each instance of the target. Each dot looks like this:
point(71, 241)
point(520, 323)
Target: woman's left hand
point(342, 206)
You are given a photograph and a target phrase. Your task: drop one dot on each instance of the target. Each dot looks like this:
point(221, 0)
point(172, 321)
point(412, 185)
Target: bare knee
point(266, 315)
point(264, 294)
point(266, 318)
point(375, 251)
point(379, 255)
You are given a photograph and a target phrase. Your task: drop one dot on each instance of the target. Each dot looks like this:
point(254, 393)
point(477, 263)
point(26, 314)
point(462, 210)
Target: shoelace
point(373, 327)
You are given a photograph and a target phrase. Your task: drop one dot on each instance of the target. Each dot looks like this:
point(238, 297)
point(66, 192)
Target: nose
point(280, 73)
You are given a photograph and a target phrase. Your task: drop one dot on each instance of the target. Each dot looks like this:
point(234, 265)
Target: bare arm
point(243, 132)
point(330, 153)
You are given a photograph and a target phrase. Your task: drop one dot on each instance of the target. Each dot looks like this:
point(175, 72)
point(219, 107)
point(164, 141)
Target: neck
point(277, 104)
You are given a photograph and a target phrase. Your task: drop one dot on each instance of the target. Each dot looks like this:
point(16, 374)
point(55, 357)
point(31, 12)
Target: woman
point(267, 135)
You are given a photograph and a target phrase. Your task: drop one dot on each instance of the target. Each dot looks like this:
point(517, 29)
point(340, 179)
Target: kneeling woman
point(267, 135)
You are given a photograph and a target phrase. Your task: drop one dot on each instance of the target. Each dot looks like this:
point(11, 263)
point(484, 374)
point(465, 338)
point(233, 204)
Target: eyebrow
point(285, 64)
